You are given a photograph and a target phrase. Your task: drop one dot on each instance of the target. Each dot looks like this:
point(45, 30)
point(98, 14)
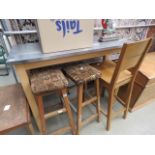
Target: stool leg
point(98, 99)
point(69, 112)
point(41, 113)
point(80, 100)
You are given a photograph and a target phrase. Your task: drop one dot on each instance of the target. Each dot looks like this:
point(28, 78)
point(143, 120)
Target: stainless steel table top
point(31, 52)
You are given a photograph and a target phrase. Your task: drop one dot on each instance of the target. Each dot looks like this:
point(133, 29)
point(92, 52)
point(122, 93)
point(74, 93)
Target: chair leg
point(6, 67)
point(69, 112)
point(80, 100)
point(30, 128)
point(7, 70)
point(41, 113)
point(128, 99)
point(109, 114)
point(98, 99)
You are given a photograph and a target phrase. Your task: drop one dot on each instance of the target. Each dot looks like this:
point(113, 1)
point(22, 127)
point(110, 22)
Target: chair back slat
point(131, 57)
point(133, 54)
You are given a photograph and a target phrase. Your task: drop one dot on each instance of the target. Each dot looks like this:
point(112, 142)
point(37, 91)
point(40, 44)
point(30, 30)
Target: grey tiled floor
point(139, 122)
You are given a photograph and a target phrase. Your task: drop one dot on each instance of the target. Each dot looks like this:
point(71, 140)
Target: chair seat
point(47, 79)
point(14, 110)
point(82, 73)
point(107, 68)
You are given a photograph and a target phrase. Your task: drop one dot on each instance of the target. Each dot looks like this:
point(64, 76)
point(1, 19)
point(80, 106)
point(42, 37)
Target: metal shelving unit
point(128, 27)
point(6, 34)
point(10, 33)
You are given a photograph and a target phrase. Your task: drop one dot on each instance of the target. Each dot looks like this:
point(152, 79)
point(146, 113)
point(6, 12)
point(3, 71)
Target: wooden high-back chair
point(124, 72)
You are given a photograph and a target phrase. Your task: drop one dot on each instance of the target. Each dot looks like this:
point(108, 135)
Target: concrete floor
point(140, 122)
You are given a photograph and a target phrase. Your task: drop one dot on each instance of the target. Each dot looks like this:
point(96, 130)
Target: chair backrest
point(131, 57)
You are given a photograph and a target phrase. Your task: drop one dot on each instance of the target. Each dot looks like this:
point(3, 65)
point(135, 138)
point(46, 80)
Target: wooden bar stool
point(44, 81)
point(81, 74)
point(14, 110)
point(124, 72)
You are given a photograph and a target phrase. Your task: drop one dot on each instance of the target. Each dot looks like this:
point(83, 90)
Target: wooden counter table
point(29, 56)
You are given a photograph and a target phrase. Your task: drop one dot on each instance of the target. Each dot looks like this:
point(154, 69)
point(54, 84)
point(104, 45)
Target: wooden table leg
point(39, 99)
point(28, 93)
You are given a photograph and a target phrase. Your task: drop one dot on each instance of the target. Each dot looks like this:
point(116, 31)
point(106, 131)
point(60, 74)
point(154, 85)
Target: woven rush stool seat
point(81, 74)
point(14, 110)
point(47, 79)
point(43, 82)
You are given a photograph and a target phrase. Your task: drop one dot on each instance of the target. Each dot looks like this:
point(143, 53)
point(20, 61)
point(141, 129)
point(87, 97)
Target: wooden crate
point(144, 86)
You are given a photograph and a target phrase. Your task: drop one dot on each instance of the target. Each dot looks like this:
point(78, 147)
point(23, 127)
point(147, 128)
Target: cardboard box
point(65, 34)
